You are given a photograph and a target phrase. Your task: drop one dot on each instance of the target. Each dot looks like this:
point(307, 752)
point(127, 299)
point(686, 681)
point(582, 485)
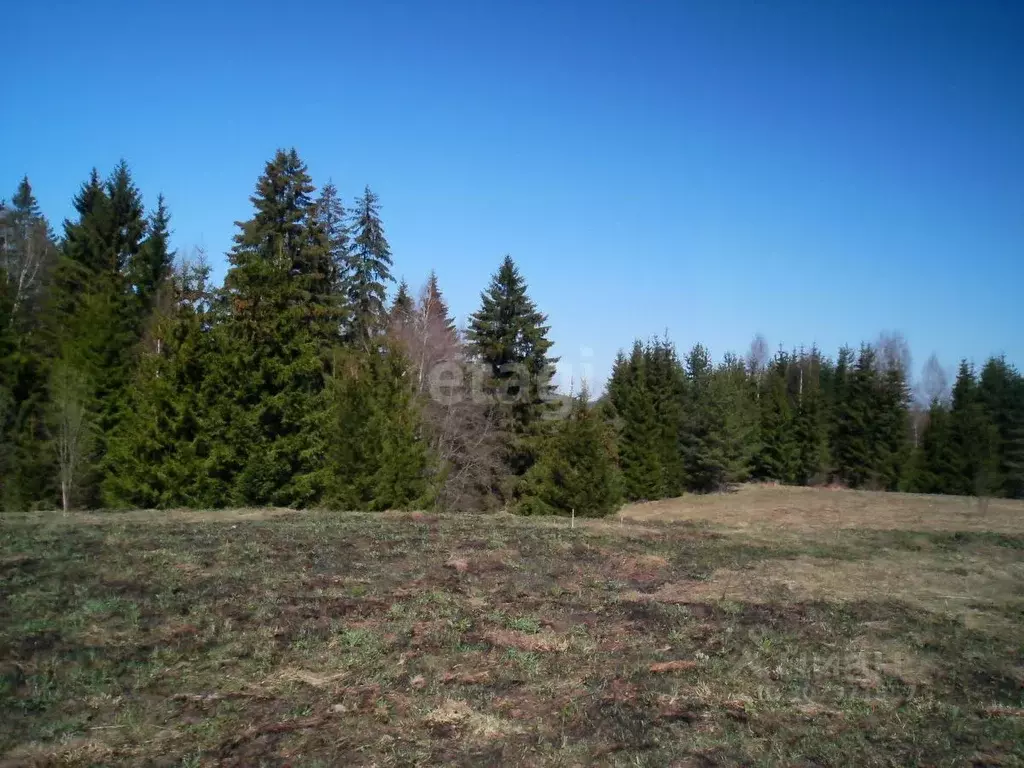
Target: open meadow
point(770, 626)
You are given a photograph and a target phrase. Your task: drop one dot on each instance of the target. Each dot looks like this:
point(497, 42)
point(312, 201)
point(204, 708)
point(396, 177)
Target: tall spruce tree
point(703, 430)
point(666, 380)
point(508, 337)
point(27, 260)
point(99, 317)
point(974, 437)
point(152, 266)
point(809, 421)
point(272, 404)
point(777, 453)
point(378, 457)
point(635, 418)
point(1001, 393)
point(157, 454)
point(369, 269)
point(735, 388)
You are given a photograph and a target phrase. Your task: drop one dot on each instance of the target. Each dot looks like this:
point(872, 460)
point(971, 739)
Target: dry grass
point(742, 629)
point(821, 509)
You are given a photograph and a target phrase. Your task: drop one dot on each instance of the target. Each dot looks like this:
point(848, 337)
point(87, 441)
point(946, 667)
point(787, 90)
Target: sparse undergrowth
point(348, 639)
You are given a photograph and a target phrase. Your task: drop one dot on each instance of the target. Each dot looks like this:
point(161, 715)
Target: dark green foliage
point(157, 453)
point(333, 221)
point(402, 307)
point(632, 407)
point(151, 269)
point(27, 261)
point(507, 336)
point(810, 426)
point(576, 472)
point(1001, 393)
point(735, 392)
point(974, 437)
point(667, 384)
point(777, 454)
point(377, 458)
point(703, 434)
point(935, 465)
point(369, 270)
point(892, 427)
point(126, 383)
point(271, 385)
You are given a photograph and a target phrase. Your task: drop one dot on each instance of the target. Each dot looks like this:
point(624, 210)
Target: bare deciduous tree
point(934, 385)
point(757, 356)
point(460, 424)
point(893, 351)
point(26, 253)
point(72, 428)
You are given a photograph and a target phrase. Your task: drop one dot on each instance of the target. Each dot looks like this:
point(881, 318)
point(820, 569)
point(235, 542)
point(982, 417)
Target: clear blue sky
point(814, 171)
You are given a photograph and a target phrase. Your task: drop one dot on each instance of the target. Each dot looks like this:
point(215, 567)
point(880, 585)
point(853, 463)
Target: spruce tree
point(507, 336)
point(575, 472)
point(809, 421)
point(27, 260)
point(703, 429)
point(667, 383)
point(378, 458)
point(735, 389)
point(157, 454)
point(974, 437)
point(99, 318)
point(402, 307)
point(369, 269)
point(892, 427)
point(936, 467)
point(153, 264)
point(632, 407)
point(333, 221)
point(270, 389)
point(777, 453)
point(1001, 393)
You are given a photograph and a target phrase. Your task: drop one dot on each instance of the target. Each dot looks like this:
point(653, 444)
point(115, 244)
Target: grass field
point(772, 626)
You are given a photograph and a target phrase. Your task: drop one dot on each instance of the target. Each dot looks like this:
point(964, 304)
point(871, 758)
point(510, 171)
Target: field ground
point(772, 626)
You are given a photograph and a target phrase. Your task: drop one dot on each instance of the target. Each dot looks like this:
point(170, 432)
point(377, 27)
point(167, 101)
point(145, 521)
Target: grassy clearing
point(344, 639)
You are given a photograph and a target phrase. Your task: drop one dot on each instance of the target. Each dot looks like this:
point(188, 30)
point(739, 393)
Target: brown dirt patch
point(542, 641)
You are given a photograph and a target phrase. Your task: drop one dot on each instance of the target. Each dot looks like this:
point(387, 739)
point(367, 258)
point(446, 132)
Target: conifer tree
point(333, 221)
point(703, 444)
point(892, 426)
point(271, 385)
point(157, 453)
point(27, 260)
point(575, 473)
point(667, 383)
point(735, 389)
point(153, 264)
point(402, 307)
point(777, 454)
point(369, 268)
point(936, 464)
point(99, 318)
point(809, 421)
point(508, 337)
point(378, 458)
point(632, 405)
point(1001, 393)
point(974, 437)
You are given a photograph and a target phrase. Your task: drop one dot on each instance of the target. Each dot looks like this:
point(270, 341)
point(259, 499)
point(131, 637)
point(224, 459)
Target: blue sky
point(816, 172)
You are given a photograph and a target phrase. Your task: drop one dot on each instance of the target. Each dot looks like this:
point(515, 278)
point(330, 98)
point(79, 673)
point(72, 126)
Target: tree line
point(128, 379)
